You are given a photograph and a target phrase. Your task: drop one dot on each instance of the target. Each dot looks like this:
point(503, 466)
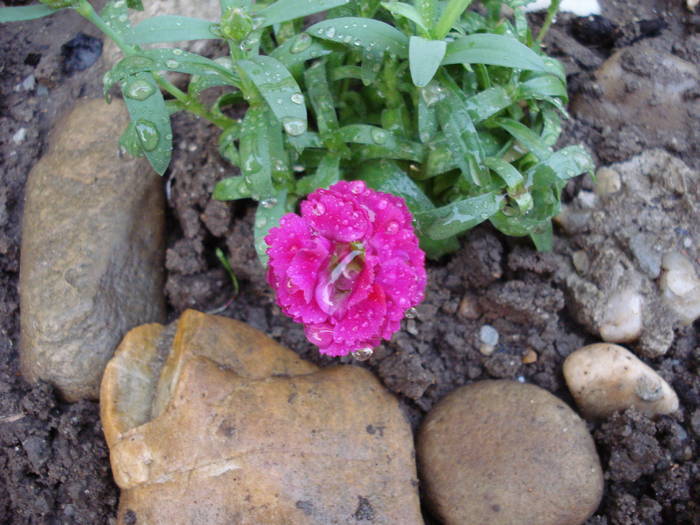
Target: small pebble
point(468, 307)
point(529, 357)
point(587, 199)
point(486, 350)
point(605, 378)
point(19, 136)
point(622, 321)
point(607, 182)
point(680, 287)
point(488, 335)
point(581, 261)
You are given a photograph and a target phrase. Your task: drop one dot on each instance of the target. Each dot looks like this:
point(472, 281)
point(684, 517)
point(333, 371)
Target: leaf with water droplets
point(26, 12)
point(116, 15)
point(170, 28)
point(299, 49)
point(151, 121)
point(526, 137)
point(259, 146)
point(567, 163)
point(372, 60)
point(400, 9)
point(424, 57)
point(284, 10)
point(543, 87)
point(267, 217)
point(451, 13)
point(495, 50)
point(459, 216)
point(279, 89)
point(511, 176)
point(322, 104)
point(327, 173)
point(364, 33)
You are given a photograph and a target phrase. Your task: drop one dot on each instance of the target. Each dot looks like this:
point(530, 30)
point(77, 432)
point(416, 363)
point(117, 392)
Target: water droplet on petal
point(392, 227)
point(411, 313)
point(363, 354)
point(357, 187)
point(139, 90)
point(318, 209)
point(382, 204)
point(294, 126)
point(297, 98)
point(148, 134)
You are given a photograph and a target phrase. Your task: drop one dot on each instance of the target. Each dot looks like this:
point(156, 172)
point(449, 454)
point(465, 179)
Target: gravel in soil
point(53, 454)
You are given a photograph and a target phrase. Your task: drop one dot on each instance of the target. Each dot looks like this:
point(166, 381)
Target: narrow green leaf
point(511, 176)
point(267, 216)
point(27, 12)
point(487, 103)
point(232, 188)
point(495, 50)
point(551, 126)
point(459, 216)
point(450, 15)
point(406, 11)
point(279, 89)
point(299, 49)
point(567, 163)
point(136, 5)
point(284, 10)
point(151, 120)
point(380, 143)
point(427, 121)
point(542, 87)
point(257, 129)
point(327, 173)
point(171, 28)
point(424, 58)
point(362, 33)
point(116, 15)
point(427, 10)
point(526, 137)
point(316, 80)
point(372, 60)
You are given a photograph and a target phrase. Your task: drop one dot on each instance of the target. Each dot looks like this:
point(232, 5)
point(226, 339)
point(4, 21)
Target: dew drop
point(411, 313)
point(363, 354)
point(172, 64)
point(302, 43)
point(123, 18)
point(347, 39)
point(330, 32)
point(297, 98)
point(139, 90)
point(294, 126)
point(357, 43)
point(392, 227)
point(382, 204)
point(378, 136)
point(357, 187)
point(318, 209)
point(268, 203)
point(148, 134)
point(177, 52)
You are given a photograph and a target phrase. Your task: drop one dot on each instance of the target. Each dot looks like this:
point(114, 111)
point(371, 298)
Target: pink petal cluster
point(348, 268)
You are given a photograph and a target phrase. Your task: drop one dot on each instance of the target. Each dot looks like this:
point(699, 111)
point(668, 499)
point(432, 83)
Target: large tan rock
point(228, 426)
point(506, 453)
point(605, 378)
point(92, 251)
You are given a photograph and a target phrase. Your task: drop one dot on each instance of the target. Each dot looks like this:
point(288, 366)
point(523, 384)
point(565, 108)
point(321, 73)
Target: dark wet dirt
point(53, 458)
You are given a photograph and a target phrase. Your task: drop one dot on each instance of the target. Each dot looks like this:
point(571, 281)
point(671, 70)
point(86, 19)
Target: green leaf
point(566, 163)
point(362, 33)
point(227, 143)
point(232, 188)
point(151, 120)
point(284, 10)
point(279, 89)
point(372, 60)
point(319, 90)
point(299, 49)
point(427, 10)
point(526, 137)
point(267, 216)
point(424, 58)
point(450, 15)
point(459, 216)
point(511, 176)
point(327, 173)
point(171, 28)
point(27, 12)
point(258, 131)
point(487, 103)
point(542, 87)
point(495, 50)
point(137, 5)
point(116, 15)
point(406, 11)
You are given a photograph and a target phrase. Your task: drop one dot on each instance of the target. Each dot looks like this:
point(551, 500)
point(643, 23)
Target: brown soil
point(53, 456)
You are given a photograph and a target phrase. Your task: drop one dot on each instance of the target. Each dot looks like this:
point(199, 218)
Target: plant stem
point(191, 103)
point(551, 13)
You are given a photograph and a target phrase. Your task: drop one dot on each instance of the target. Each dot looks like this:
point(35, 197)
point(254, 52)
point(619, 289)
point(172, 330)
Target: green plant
point(456, 110)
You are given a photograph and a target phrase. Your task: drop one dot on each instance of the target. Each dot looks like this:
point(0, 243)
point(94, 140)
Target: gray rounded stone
point(506, 453)
point(92, 251)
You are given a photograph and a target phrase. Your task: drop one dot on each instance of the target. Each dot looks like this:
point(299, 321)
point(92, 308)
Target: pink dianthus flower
point(348, 268)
